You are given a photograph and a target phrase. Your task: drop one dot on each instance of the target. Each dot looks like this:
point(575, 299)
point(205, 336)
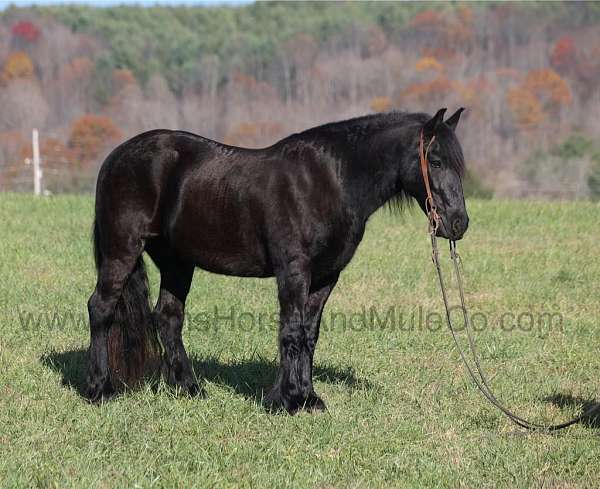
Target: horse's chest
point(340, 248)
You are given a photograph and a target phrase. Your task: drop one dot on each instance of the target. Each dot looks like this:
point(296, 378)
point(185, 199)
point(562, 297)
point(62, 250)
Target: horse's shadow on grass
point(568, 401)
point(250, 378)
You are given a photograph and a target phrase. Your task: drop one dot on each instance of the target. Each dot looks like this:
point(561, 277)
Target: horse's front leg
point(315, 304)
point(293, 389)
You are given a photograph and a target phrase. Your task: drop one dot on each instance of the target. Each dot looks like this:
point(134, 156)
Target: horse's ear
point(431, 125)
point(452, 121)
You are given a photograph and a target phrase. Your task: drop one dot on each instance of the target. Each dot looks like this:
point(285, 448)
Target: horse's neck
point(371, 179)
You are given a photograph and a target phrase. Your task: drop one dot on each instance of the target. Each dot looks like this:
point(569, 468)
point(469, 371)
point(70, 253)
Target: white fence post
point(37, 170)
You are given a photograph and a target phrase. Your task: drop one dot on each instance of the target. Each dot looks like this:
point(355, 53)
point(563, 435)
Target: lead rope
point(480, 378)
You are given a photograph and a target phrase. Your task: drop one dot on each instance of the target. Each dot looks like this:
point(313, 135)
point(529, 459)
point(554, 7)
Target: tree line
point(248, 75)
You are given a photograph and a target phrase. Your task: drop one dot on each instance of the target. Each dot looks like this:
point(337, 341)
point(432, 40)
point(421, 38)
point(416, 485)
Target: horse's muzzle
point(453, 227)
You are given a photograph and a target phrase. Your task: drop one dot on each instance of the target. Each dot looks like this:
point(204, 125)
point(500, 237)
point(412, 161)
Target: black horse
point(296, 210)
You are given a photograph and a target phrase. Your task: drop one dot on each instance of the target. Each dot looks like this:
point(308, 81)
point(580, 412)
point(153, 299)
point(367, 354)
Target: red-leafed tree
point(563, 56)
point(26, 30)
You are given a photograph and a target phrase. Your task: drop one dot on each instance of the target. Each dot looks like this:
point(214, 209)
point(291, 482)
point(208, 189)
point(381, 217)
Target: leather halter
point(430, 208)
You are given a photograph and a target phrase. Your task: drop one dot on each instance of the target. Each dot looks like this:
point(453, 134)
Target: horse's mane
point(366, 124)
point(358, 130)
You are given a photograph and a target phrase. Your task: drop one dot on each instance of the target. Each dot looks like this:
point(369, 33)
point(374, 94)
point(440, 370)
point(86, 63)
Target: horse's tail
point(133, 347)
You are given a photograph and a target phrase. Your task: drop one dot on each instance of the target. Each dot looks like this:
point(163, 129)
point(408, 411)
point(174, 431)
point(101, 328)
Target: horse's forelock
point(451, 149)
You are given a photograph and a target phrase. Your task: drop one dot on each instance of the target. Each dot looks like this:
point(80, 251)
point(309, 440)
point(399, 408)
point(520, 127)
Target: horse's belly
point(240, 264)
point(227, 247)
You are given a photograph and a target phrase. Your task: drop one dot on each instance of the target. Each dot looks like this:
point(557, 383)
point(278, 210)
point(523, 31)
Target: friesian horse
point(296, 210)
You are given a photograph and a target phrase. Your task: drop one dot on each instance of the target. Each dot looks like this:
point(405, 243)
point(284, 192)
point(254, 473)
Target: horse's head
point(445, 168)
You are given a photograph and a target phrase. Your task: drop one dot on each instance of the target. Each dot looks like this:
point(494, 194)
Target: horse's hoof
point(315, 404)
point(185, 383)
point(189, 387)
point(99, 391)
point(275, 402)
point(194, 390)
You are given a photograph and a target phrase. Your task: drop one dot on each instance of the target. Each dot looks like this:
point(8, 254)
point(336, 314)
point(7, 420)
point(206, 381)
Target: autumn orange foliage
point(426, 19)
point(254, 133)
point(17, 65)
point(381, 104)
point(448, 30)
point(525, 106)
point(429, 63)
point(439, 87)
point(81, 67)
point(542, 92)
point(122, 77)
point(90, 135)
point(547, 83)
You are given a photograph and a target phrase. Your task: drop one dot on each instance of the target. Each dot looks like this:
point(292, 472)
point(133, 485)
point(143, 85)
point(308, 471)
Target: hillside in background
point(88, 78)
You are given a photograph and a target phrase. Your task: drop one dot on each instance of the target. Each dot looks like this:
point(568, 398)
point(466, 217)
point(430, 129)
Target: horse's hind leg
point(112, 276)
point(175, 281)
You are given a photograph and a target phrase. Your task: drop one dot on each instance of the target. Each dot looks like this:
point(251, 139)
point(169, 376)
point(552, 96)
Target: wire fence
point(54, 180)
point(41, 169)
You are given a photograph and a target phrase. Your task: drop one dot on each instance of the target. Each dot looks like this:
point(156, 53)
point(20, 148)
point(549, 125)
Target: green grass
point(402, 412)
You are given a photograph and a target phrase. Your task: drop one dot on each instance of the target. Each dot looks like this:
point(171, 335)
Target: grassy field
point(401, 410)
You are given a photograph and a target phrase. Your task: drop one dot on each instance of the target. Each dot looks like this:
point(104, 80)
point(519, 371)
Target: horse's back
point(228, 210)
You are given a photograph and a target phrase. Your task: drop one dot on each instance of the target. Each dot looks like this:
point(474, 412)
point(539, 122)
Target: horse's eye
point(435, 163)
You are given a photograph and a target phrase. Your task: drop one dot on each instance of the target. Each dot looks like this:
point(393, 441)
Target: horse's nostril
point(457, 225)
